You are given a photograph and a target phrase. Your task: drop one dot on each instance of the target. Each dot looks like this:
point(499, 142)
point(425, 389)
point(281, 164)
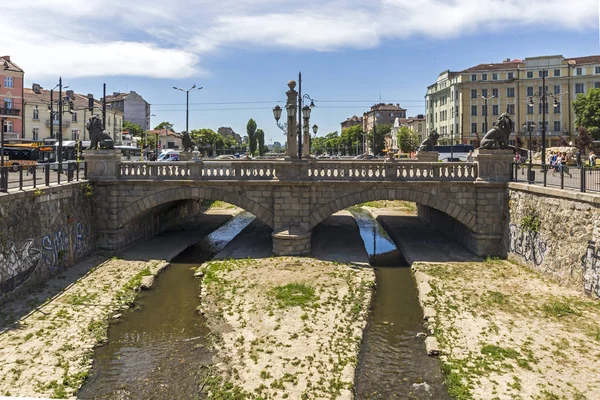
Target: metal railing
point(19, 177)
point(583, 179)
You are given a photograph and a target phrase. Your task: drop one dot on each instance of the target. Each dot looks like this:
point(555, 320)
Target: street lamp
point(187, 102)
point(485, 99)
point(543, 97)
point(528, 127)
point(303, 114)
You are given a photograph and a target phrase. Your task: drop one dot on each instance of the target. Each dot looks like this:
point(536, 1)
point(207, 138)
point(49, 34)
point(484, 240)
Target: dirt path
point(506, 332)
point(285, 327)
point(47, 338)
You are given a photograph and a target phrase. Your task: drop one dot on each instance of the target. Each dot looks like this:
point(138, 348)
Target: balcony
point(10, 112)
point(65, 124)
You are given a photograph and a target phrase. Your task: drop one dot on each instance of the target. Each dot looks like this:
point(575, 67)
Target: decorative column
point(102, 165)
point(306, 140)
point(292, 125)
point(494, 165)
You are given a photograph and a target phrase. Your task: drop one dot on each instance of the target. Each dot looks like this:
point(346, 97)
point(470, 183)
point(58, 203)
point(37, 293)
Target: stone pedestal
point(291, 242)
point(293, 170)
point(428, 156)
point(102, 165)
point(494, 165)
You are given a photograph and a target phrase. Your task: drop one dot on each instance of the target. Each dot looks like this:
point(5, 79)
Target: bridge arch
point(155, 199)
point(443, 204)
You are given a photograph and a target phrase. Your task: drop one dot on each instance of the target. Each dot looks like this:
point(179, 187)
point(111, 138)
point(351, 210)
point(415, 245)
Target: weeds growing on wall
point(531, 221)
point(88, 190)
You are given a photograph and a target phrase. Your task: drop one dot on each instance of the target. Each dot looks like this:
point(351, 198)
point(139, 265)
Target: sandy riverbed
point(506, 332)
point(285, 327)
point(47, 338)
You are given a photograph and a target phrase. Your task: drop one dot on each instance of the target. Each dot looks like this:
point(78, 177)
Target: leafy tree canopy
point(587, 112)
point(164, 125)
point(134, 129)
point(407, 139)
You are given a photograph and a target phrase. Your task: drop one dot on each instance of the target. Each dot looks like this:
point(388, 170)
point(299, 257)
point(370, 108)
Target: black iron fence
point(40, 175)
point(583, 179)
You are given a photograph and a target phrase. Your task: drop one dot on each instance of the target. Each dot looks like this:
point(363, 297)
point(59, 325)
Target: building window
point(598, 70)
point(474, 127)
point(495, 77)
point(596, 85)
point(556, 126)
point(74, 117)
point(8, 126)
point(556, 89)
point(7, 103)
point(557, 109)
point(511, 75)
point(557, 72)
point(473, 110)
point(484, 92)
point(529, 91)
point(484, 77)
point(483, 127)
point(578, 88)
point(510, 109)
point(529, 110)
point(36, 114)
point(495, 109)
point(543, 73)
point(579, 71)
point(35, 133)
point(540, 107)
point(510, 92)
point(495, 92)
point(530, 74)
point(473, 93)
point(8, 81)
point(473, 78)
point(74, 134)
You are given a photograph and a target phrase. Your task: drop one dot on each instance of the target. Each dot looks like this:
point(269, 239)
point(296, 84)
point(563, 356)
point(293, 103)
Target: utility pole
point(52, 113)
point(104, 107)
point(60, 123)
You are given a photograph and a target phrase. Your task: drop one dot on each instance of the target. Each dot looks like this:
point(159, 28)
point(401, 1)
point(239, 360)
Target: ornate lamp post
point(528, 127)
point(542, 97)
point(294, 131)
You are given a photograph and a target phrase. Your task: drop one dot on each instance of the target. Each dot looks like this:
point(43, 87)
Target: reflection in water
point(393, 364)
point(156, 352)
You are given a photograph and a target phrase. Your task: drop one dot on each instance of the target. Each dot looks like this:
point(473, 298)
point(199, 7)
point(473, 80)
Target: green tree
point(260, 138)
point(251, 131)
point(380, 132)
point(134, 129)
point(207, 140)
point(164, 125)
point(352, 139)
point(584, 141)
point(407, 139)
point(587, 112)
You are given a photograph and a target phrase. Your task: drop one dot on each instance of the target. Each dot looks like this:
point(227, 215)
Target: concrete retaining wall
point(565, 247)
point(42, 232)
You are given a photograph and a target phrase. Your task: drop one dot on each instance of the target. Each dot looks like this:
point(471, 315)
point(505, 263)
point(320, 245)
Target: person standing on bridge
point(592, 158)
point(470, 156)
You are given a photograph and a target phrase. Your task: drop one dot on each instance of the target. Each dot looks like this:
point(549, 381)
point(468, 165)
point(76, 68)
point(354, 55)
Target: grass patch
point(293, 294)
point(494, 297)
point(457, 388)
point(557, 308)
point(499, 353)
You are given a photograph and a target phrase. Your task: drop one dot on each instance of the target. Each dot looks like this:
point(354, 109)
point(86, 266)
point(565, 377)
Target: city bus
point(457, 152)
point(16, 155)
point(71, 151)
point(129, 153)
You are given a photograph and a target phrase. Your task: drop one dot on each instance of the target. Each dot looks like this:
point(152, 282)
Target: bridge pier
point(291, 242)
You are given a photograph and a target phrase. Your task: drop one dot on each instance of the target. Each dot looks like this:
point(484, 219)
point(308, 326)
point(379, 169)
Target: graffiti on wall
point(591, 269)
point(64, 244)
point(18, 262)
point(527, 244)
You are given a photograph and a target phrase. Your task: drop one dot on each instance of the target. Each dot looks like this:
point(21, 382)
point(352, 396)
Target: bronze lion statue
point(98, 138)
point(497, 137)
point(429, 143)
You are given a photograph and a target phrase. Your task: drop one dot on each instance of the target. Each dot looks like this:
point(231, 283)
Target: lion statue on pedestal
point(497, 137)
point(99, 139)
point(429, 143)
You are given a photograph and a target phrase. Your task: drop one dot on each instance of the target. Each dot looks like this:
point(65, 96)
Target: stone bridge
point(468, 200)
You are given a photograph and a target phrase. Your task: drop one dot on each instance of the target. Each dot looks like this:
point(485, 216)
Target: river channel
point(157, 349)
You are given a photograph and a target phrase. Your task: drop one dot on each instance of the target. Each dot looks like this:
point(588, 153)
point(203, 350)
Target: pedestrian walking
point(592, 158)
point(470, 156)
point(578, 158)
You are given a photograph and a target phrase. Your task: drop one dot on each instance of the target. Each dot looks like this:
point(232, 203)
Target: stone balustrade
point(313, 170)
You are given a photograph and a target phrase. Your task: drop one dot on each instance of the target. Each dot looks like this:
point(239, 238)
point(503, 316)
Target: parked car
point(170, 156)
point(225, 157)
point(365, 157)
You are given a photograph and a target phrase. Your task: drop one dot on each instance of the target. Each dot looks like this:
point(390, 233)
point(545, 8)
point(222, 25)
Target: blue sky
point(243, 52)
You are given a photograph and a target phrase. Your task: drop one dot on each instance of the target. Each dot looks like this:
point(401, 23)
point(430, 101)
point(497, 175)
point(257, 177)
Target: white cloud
point(164, 39)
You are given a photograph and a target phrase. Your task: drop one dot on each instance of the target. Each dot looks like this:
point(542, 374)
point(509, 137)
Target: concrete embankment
point(47, 337)
point(287, 327)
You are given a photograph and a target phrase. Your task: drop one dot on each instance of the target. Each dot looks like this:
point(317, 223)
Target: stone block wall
point(566, 245)
point(42, 232)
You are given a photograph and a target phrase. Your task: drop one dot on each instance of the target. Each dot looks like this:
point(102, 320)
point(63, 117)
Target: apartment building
point(463, 105)
point(133, 106)
point(11, 98)
point(382, 114)
point(76, 112)
point(350, 122)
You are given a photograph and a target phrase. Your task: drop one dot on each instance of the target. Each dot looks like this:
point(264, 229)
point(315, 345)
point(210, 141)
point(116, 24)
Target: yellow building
point(37, 116)
point(463, 105)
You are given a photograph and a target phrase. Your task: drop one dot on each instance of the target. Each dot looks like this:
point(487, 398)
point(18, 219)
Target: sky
point(352, 53)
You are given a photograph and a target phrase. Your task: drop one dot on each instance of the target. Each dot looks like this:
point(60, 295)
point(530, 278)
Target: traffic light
point(91, 104)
